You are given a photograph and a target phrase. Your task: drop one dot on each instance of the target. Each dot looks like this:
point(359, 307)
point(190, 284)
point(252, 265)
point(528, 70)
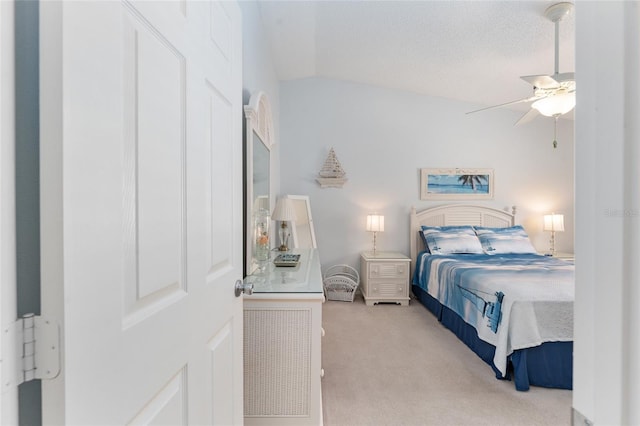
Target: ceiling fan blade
point(541, 81)
point(531, 99)
point(527, 117)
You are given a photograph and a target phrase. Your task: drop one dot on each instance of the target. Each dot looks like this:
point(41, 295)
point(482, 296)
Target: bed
point(513, 307)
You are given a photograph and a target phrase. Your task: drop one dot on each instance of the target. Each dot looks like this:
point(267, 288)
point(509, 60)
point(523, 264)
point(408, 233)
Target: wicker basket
point(340, 283)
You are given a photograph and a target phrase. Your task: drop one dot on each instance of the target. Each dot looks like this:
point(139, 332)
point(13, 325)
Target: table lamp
point(375, 224)
point(284, 212)
point(554, 223)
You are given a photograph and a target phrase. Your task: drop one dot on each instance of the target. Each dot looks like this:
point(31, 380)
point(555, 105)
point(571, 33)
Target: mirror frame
point(302, 202)
point(259, 121)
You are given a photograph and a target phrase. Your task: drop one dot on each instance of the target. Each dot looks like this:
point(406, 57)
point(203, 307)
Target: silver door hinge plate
point(30, 350)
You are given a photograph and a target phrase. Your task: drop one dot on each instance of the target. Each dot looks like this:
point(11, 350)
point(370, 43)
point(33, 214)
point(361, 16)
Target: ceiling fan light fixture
point(552, 106)
point(557, 11)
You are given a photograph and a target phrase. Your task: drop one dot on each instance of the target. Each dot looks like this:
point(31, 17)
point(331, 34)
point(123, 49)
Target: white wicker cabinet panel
point(282, 352)
point(282, 362)
point(385, 277)
point(278, 375)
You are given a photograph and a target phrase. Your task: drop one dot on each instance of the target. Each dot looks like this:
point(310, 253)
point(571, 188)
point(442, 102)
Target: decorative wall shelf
point(332, 175)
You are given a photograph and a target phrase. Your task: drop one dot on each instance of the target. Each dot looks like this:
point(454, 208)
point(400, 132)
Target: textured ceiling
point(473, 51)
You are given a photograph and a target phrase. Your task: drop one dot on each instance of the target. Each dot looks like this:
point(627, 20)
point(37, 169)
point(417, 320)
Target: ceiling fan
point(553, 95)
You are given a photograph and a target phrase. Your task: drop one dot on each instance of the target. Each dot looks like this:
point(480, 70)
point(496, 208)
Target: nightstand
point(569, 257)
point(385, 277)
point(564, 256)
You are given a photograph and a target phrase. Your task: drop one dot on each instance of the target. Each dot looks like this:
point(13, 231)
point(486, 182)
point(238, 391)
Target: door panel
point(168, 406)
point(220, 126)
point(154, 149)
point(144, 112)
point(221, 356)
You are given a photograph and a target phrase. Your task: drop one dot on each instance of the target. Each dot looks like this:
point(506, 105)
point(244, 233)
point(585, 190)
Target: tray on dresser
point(287, 260)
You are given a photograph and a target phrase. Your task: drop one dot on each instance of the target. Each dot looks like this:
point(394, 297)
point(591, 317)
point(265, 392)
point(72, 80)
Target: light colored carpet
point(395, 365)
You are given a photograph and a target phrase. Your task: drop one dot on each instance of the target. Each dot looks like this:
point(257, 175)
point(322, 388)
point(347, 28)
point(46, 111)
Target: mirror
point(257, 174)
point(302, 230)
point(261, 173)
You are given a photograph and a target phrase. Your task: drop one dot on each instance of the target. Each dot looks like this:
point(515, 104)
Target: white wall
point(259, 74)
point(383, 137)
point(607, 318)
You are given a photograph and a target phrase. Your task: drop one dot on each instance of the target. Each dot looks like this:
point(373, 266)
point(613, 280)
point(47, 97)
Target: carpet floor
point(395, 365)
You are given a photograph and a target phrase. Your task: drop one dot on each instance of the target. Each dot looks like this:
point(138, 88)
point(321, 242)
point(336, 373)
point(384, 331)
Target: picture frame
point(456, 184)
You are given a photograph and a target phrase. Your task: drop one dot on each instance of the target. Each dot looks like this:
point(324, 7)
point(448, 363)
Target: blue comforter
point(513, 301)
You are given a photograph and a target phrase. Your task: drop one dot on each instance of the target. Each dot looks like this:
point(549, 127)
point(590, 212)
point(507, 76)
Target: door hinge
point(30, 350)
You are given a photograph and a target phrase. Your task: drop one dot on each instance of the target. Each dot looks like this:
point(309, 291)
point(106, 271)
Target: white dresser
point(282, 344)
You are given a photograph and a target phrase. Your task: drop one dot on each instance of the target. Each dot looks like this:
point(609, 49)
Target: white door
point(8, 395)
point(141, 183)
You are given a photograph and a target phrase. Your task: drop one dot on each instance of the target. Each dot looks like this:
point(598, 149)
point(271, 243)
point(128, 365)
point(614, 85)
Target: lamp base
point(284, 237)
point(552, 244)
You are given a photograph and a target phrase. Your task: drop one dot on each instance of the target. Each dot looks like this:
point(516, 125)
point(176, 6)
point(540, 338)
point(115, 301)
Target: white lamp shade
point(553, 222)
point(375, 223)
point(261, 202)
point(285, 210)
point(555, 105)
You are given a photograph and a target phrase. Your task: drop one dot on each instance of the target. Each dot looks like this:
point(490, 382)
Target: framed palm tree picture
point(456, 184)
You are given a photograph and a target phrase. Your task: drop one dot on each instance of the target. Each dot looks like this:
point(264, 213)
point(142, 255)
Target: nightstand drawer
point(389, 270)
point(387, 289)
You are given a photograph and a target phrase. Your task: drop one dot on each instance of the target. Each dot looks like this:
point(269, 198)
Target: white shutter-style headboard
point(456, 214)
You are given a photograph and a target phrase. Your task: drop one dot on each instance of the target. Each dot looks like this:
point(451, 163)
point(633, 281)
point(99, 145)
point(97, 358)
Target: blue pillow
point(511, 240)
point(424, 241)
point(440, 228)
point(450, 239)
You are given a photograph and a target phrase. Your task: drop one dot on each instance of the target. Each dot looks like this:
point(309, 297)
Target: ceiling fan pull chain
point(555, 131)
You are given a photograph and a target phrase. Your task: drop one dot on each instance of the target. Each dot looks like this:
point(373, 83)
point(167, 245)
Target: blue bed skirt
point(548, 365)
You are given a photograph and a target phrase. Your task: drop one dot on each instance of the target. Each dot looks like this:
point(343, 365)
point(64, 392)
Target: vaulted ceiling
point(472, 51)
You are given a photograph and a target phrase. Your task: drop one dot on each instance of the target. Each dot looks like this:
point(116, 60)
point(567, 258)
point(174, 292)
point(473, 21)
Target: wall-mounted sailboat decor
point(332, 175)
